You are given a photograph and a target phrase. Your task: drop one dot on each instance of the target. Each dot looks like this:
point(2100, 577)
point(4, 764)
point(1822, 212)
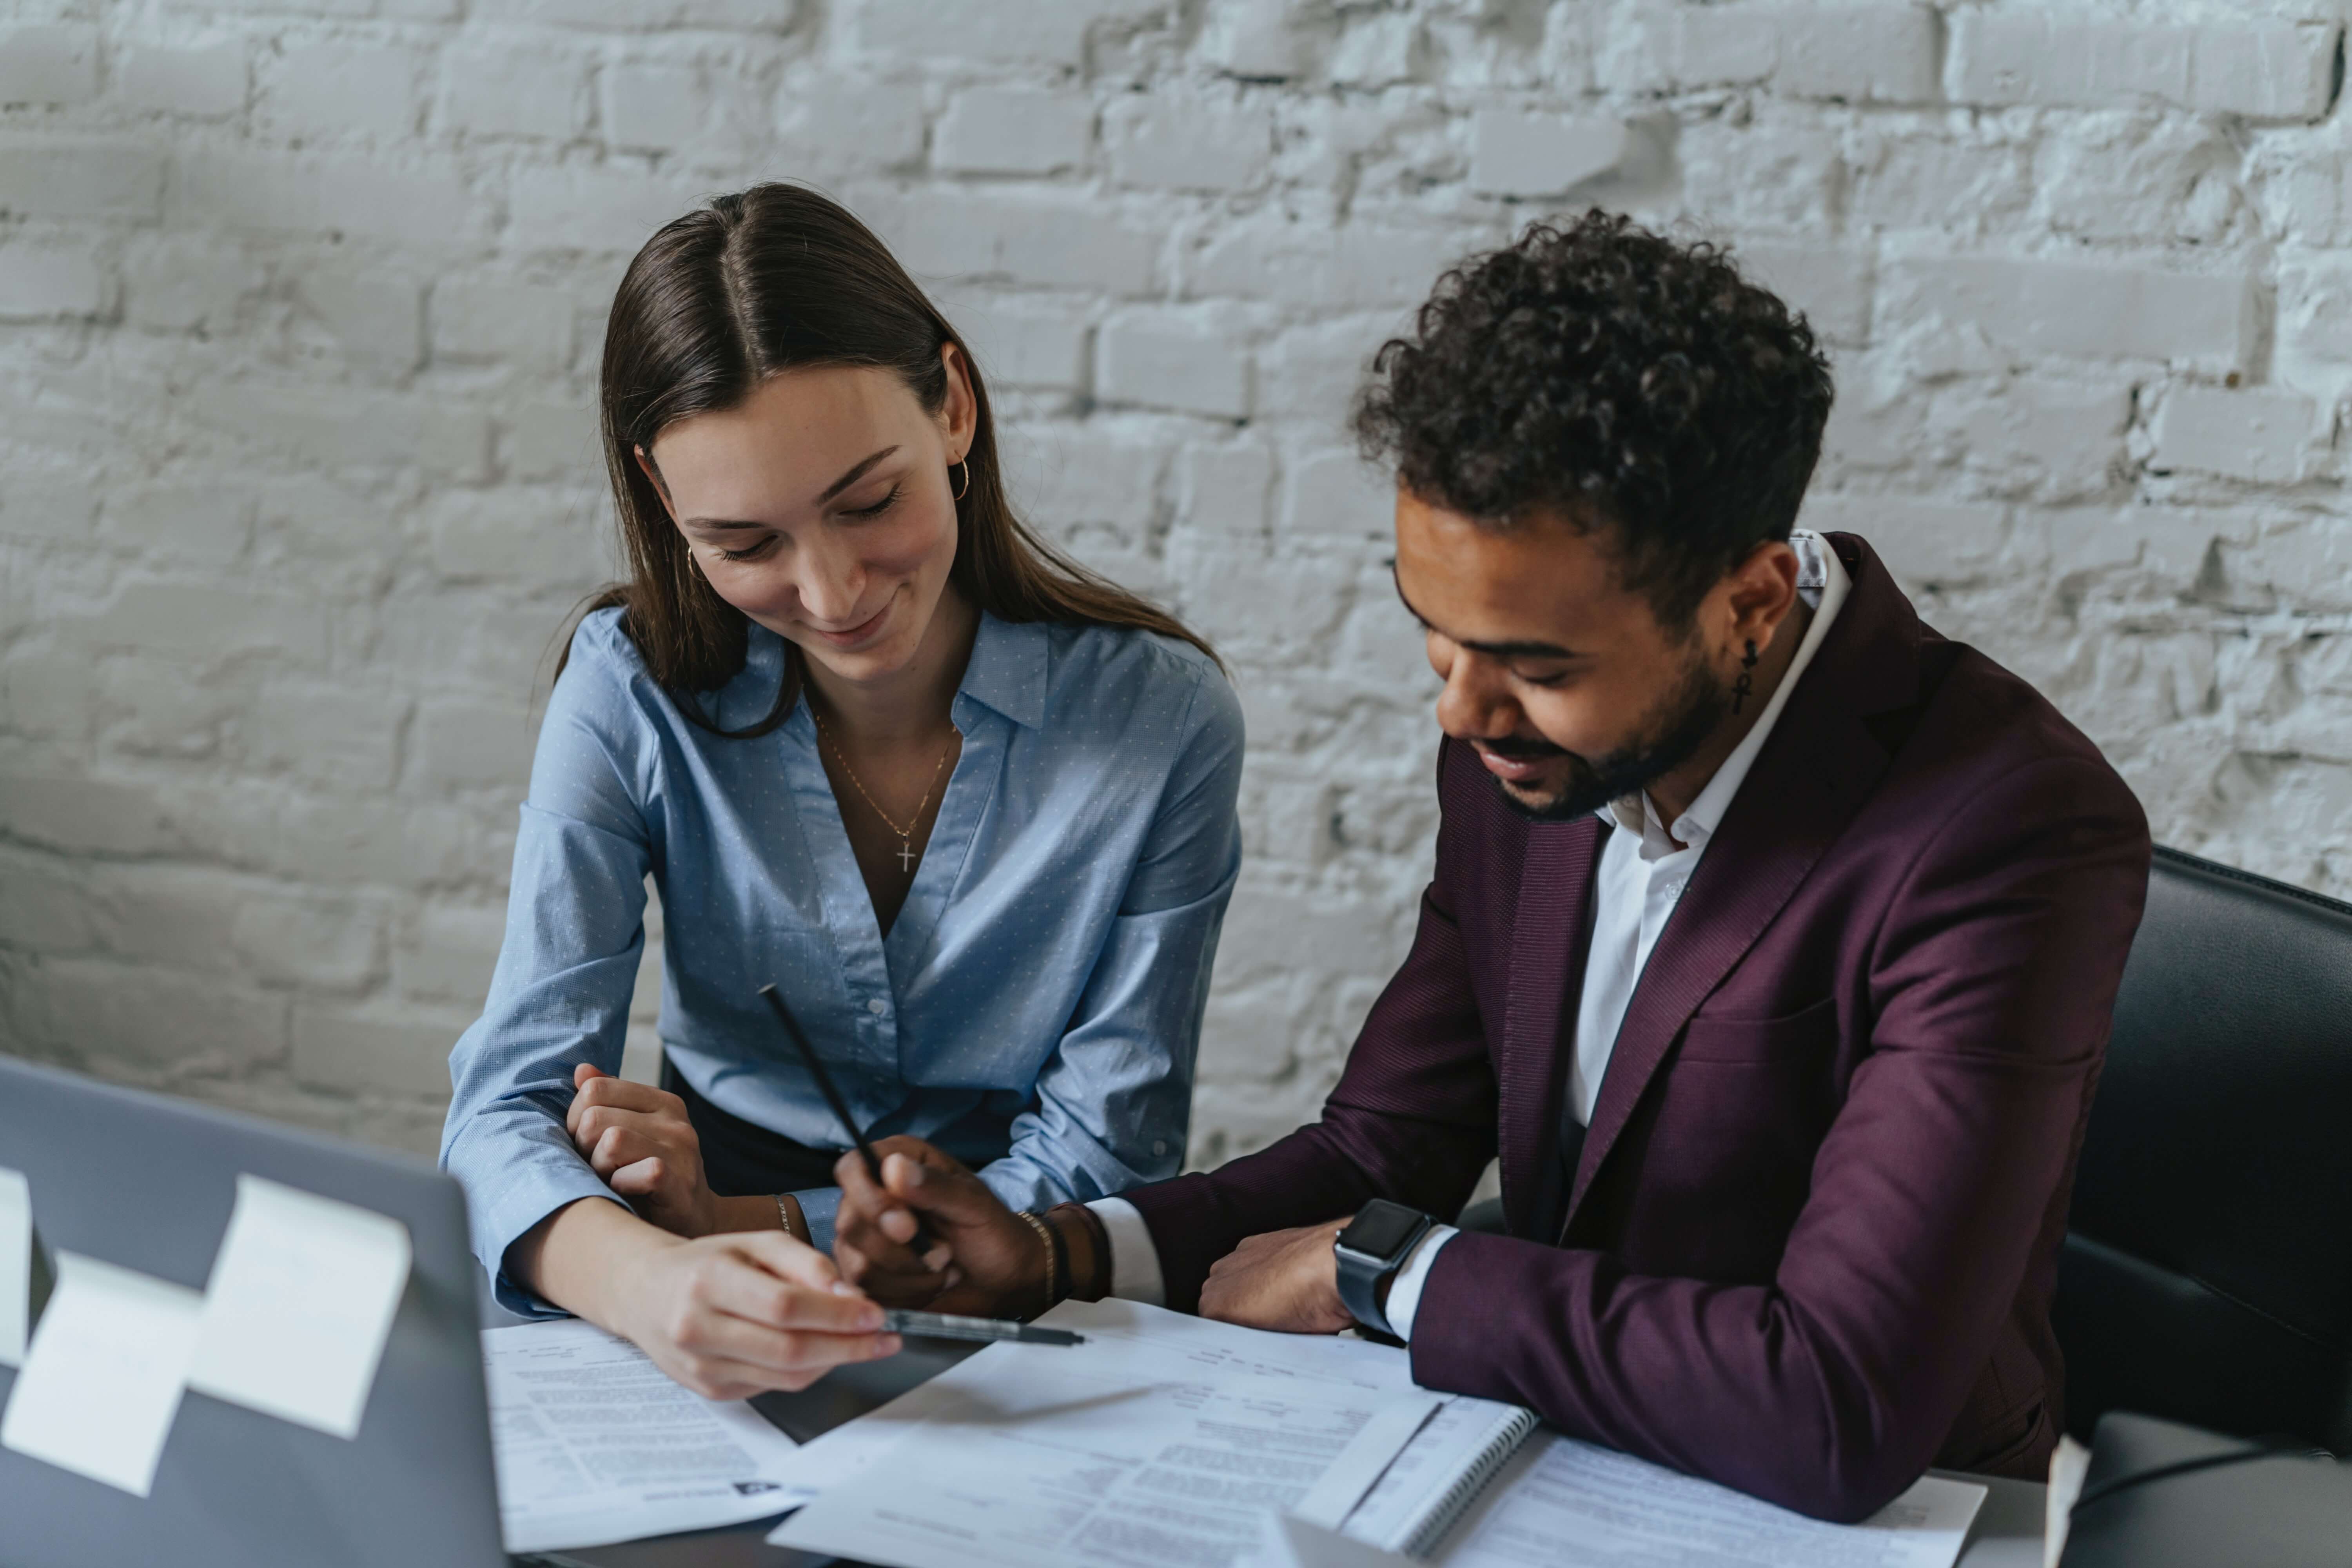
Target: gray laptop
point(147, 1182)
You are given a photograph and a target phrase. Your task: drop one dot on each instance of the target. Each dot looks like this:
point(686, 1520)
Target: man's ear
point(1763, 590)
point(652, 471)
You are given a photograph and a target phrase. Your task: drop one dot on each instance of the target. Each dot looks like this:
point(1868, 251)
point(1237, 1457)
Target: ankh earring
point(1741, 688)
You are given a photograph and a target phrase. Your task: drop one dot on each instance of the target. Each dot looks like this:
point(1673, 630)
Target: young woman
point(967, 806)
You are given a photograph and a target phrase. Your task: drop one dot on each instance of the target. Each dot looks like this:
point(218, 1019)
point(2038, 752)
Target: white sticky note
point(302, 1296)
point(102, 1380)
point(15, 1266)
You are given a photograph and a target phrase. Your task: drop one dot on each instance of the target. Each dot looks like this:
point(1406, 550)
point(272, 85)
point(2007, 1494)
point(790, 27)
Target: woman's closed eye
point(750, 551)
point(889, 500)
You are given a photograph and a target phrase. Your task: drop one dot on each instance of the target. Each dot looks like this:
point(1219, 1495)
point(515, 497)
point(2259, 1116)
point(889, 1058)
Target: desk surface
point(2007, 1534)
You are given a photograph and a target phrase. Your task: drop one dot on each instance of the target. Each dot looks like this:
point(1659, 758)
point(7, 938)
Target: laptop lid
point(147, 1182)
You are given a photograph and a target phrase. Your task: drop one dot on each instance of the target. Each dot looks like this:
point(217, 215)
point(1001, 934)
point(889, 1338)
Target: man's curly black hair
point(1615, 378)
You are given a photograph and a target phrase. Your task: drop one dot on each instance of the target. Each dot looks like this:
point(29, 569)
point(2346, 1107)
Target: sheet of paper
point(15, 1266)
point(1292, 1542)
point(1226, 1347)
point(102, 1379)
point(1392, 1426)
point(302, 1296)
point(594, 1444)
point(2070, 1465)
point(1041, 1457)
point(1130, 1336)
point(1563, 1503)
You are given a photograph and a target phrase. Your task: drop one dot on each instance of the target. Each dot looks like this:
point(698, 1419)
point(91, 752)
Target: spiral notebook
point(1438, 1475)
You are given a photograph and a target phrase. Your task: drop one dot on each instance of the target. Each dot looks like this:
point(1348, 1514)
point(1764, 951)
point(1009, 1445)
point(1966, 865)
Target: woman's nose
point(831, 582)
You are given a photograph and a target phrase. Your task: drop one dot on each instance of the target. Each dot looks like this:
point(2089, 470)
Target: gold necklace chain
point(907, 834)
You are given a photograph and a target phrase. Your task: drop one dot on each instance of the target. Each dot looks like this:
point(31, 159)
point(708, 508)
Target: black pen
point(922, 1241)
point(946, 1326)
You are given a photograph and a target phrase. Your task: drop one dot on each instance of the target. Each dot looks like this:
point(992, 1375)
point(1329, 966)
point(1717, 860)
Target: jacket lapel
point(1547, 945)
point(1813, 773)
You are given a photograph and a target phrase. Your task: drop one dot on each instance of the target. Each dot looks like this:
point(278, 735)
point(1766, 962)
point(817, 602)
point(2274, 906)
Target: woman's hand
point(637, 1137)
point(731, 1316)
point(984, 1259)
point(728, 1316)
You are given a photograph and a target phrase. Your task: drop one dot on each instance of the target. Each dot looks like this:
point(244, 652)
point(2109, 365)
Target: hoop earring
point(1745, 686)
point(963, 467)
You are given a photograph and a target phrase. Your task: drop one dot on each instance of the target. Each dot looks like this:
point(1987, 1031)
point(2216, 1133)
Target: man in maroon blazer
point(1772, 941)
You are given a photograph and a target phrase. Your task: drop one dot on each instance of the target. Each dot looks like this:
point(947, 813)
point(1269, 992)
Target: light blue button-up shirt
point(1036, 1006)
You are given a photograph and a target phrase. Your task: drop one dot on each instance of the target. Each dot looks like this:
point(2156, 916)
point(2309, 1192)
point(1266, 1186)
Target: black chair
point(2207, 1274)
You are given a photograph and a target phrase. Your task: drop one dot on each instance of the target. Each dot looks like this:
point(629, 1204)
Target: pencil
point(922, 1242)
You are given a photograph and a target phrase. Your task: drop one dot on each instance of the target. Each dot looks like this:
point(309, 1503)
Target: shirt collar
point(1007, 670)
point(1822, 581)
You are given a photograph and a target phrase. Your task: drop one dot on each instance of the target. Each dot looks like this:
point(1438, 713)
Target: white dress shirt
point(1644, 866)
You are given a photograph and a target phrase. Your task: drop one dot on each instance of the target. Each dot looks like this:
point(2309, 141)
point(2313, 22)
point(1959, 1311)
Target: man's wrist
point(1086, 1248)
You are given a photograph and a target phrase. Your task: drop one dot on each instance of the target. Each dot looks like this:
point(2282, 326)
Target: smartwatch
point(1370, 1251)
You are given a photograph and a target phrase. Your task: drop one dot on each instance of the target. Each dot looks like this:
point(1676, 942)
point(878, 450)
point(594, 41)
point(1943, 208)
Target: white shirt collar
point(1823, 582)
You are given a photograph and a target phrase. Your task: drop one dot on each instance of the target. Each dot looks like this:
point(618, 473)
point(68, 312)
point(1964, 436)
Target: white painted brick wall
point(299, 312)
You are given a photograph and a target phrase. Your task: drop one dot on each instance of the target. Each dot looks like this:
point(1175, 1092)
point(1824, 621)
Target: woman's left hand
point(637, 1137)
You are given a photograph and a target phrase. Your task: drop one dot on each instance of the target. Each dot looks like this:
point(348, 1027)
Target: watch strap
point(1360, 1276)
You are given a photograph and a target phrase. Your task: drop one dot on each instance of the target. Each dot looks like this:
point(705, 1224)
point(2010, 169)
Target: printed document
point(1564, 1504)
point(102, 1380)
point(595, 1444)
point(1036, 1456)
point(302, 1299)
point(15, 1266)
point(1133, 1338)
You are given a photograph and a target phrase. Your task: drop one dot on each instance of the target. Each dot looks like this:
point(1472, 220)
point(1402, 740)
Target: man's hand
point(1286, 1280)
point(983, 1259)
point(637, 1137)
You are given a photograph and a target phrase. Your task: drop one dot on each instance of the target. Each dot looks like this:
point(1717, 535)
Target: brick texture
point(300, 305)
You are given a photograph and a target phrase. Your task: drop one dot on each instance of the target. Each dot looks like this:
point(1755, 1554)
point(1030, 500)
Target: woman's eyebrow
point(855, 472)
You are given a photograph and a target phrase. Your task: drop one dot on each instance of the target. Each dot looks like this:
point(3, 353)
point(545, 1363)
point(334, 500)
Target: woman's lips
point(857, 634)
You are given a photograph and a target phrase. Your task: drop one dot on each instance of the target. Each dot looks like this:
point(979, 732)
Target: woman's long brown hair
point(771, 279)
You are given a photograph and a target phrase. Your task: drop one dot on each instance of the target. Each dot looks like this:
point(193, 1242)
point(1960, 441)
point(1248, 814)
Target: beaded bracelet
point(1055, 1271)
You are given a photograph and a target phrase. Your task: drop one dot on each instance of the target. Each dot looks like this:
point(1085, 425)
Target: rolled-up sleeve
point(566, 968)
point(1114, 1100)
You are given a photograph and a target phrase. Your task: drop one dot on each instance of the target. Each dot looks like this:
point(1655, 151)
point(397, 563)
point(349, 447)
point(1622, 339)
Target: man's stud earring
point(1741, 688)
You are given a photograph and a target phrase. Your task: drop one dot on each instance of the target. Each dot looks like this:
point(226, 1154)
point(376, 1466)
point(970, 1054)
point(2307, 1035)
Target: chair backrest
point(2207, 1274)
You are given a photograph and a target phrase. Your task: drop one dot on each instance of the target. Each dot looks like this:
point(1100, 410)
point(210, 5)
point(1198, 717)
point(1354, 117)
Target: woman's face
point(822, 507)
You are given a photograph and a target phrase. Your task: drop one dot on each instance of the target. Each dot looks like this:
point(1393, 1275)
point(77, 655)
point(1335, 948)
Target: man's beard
point(1674, 732)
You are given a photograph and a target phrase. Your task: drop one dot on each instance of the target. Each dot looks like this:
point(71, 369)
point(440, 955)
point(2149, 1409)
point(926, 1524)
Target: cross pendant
point(906, 856)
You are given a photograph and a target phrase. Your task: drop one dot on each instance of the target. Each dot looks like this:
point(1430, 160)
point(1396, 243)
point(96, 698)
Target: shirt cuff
point(1134, 1256)
point(820, 1206)
point(516, 1218)
point(1404, 1291)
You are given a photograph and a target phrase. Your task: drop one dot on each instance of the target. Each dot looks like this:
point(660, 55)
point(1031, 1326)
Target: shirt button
point(877, 1007)
point(1159, 1145)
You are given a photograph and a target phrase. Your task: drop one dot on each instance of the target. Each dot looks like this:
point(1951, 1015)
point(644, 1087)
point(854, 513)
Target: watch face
point(1380, 1228)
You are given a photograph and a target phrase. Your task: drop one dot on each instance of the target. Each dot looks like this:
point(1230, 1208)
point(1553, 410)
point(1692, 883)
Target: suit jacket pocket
point(1805, 1035)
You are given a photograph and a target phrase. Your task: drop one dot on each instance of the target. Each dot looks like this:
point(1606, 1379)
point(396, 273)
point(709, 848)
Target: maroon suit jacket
point(1811, 1236)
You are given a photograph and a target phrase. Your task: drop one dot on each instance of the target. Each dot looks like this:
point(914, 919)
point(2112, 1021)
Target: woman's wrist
point(584, 1257)
point(759, 1211)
